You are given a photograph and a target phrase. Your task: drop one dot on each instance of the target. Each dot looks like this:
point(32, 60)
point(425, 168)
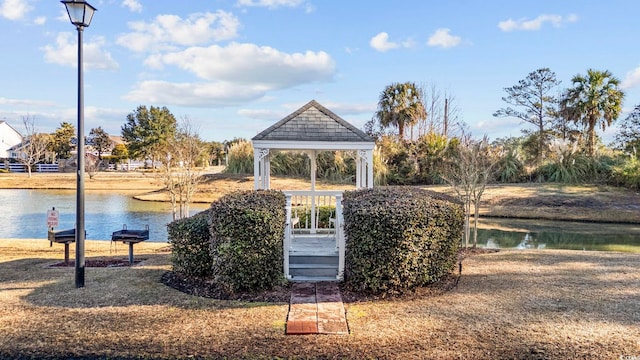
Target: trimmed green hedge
point(191, 245)
point(247, 230)
point(399, 238)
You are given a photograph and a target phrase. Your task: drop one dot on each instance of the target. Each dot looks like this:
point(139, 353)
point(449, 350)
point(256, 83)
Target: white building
point(9, 137)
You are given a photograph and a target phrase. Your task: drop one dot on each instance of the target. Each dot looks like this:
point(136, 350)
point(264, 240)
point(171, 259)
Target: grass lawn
point(511, 304)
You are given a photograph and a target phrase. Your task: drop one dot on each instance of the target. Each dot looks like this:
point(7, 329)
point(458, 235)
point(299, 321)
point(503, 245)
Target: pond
point(544, 234)
point(25, 213)
point(25, 217)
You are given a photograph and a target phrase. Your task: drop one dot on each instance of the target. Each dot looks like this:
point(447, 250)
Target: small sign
point(52, 218)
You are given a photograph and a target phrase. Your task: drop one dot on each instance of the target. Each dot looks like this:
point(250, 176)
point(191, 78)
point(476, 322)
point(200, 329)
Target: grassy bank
point(530, 201)
point(511, 304)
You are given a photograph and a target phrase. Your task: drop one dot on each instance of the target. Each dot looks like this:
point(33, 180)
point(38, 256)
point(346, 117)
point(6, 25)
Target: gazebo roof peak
point(313, 122)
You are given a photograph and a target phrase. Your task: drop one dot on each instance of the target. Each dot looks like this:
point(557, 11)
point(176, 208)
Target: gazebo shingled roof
point(313, 128)
point(313, 122)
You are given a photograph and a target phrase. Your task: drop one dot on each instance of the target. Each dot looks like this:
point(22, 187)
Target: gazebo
point(312, 129)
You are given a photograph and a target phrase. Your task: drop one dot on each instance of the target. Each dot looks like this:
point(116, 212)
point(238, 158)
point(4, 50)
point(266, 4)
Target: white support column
point(364, 177)
point(261, 168)
point(340, 240)
point(256, 168)
point(287, 237)
point(369, 159)
point(314, 169)
point(268, 170)
point(358, 171)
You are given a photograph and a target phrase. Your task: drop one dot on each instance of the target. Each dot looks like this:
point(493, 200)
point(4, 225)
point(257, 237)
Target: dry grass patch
point(122, 182)
point(511, 304)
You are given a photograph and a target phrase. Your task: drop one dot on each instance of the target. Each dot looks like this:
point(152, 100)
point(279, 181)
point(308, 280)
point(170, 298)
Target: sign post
point(52, 220)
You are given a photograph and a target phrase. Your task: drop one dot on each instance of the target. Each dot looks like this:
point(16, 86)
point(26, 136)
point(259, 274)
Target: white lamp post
point(80, 13)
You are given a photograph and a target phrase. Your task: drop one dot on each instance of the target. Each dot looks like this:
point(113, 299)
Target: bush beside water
point(247, 239)
point(191, 245)
point(399, 238)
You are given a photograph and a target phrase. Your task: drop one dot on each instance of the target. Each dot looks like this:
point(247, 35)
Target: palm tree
point(594, 99)
point(400, 105)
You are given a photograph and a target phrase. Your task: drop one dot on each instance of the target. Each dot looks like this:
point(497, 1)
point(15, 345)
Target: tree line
point(421, 139)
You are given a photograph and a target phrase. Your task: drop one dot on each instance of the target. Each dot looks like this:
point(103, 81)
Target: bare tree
point(469, 171)
point(34, 145)
point(92, 165)
point(443, 114)
point(179, 169)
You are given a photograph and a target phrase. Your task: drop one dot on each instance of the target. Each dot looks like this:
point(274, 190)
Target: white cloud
point(168, 31)
point(632, 79)
point(342, 109)
point(381, 42)
point(443, 38)
point(537, 23)
point(26, 102)
point(263, 114)
point(14, 9)
point(274, 4)
point(271, 4)
point(132, 5)
point(215, 94)
point(65, 52)
point(40, 20)
point(252, 64)
point(63, 16)
point(233, 74)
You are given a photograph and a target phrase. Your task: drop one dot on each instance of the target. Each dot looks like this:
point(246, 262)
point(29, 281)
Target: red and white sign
point(52, 218)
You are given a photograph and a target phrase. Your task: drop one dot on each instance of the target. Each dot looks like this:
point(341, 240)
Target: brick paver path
point(316, 308)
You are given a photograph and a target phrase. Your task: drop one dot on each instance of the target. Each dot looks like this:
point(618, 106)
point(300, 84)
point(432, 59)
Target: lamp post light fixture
point(80, 13)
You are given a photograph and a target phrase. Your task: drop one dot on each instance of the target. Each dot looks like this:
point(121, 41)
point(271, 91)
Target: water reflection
point(541, 234)
point(25, 213)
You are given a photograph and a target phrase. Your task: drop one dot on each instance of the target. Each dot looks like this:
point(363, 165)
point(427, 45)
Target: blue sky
point(235, 67)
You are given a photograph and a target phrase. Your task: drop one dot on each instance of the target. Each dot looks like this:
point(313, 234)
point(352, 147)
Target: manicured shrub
point(247, 231)
point(399, 238)
point(191, 245)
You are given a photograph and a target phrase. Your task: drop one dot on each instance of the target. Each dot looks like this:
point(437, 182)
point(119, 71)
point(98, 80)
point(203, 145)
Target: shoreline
point(535, 201)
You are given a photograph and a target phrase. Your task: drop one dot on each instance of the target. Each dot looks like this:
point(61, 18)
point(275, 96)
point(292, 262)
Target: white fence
point(315, 209)
point(20, 168)
point(126, 167)
point(47, 168)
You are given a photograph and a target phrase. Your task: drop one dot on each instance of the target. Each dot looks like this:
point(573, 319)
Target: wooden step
point(313, 278)
point(312, 266)
point(313, 259)
point(310, 270)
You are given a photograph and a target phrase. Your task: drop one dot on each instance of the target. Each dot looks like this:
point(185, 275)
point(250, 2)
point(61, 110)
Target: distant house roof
point(313, 123)
point(10, 127)
point(115, 139)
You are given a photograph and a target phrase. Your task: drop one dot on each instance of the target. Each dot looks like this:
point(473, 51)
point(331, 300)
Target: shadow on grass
point(138, 285)
point(505, 308)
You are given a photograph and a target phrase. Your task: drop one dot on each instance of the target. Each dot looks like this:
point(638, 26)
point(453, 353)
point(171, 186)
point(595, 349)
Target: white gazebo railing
point(309, 233)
